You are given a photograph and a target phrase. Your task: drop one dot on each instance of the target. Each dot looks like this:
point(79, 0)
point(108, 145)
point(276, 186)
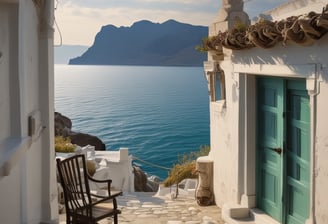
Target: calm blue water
point(159, 113)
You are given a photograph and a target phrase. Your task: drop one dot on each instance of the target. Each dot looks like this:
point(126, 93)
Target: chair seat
point(99, 211)
point(102, 208)
point(104, 193)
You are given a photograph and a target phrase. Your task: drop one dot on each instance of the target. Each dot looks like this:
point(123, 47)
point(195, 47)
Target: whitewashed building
point(28, 186)
point(269, 138)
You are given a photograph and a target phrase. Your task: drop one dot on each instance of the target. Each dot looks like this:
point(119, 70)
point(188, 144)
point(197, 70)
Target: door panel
point(270, 138)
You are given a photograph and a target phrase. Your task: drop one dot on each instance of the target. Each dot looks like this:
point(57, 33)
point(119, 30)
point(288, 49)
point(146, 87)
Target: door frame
point(279, 106)
point(247, 85)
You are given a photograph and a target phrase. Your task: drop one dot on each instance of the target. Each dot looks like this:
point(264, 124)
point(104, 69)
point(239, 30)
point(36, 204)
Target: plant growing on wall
point(186, 166)
point(63, 144)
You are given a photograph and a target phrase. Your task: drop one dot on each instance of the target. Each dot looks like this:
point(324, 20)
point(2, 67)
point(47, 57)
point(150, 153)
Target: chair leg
point(69, 220)
point(115, 219)
point(115, 211)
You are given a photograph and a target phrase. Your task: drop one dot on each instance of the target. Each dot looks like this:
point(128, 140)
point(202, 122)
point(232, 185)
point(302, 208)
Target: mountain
point(65, 52)
point(146, 43)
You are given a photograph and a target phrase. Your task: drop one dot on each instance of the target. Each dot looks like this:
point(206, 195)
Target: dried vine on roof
point(303, 30)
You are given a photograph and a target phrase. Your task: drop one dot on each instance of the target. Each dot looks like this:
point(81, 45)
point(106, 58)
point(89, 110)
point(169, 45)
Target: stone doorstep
point(235, 211)
point(242, 215)
point(260, 217)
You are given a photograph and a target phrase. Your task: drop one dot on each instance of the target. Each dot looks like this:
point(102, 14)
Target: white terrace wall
point(28, 189)
point(233, 120)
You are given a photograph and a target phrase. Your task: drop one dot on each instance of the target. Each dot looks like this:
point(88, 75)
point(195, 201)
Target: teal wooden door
point(283, 149)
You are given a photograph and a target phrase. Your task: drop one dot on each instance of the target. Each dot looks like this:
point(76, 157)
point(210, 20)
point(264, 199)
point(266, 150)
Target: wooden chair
point(81, 205)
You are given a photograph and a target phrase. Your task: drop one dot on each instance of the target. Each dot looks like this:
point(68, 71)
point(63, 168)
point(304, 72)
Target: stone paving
point(146, 208)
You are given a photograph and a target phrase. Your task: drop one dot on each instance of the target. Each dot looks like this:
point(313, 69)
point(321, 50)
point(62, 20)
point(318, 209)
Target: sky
point(78, 21)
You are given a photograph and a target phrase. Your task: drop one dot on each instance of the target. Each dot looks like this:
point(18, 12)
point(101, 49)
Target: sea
point(159, 113)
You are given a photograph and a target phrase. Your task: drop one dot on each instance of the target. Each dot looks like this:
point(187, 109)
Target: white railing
point(114, 165)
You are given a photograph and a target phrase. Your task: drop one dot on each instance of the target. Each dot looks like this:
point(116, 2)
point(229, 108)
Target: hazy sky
point(80, 20)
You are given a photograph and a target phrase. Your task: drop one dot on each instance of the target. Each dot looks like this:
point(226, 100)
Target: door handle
point(277, 150)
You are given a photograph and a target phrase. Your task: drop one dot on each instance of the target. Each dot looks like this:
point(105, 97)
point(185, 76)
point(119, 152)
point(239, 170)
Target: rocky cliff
point(63, 127)
point(146, 43)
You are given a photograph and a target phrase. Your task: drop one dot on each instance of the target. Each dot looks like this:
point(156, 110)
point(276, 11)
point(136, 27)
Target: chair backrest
point(73, 177)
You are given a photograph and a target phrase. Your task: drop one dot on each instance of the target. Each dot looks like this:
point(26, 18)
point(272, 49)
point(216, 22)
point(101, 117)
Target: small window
point(217, 85)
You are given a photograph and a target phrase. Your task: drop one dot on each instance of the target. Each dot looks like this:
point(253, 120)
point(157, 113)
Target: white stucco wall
point(232, 125)
point(321, 152)
point(224, 141)
point(27, 165)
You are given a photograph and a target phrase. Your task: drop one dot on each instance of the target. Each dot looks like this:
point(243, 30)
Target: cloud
point(255, 7)
point(79, 25)
point(136, 3)
point(193, 2)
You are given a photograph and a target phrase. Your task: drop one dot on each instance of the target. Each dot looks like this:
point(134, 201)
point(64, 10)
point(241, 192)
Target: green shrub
point(186, 166)
point(63, 144)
